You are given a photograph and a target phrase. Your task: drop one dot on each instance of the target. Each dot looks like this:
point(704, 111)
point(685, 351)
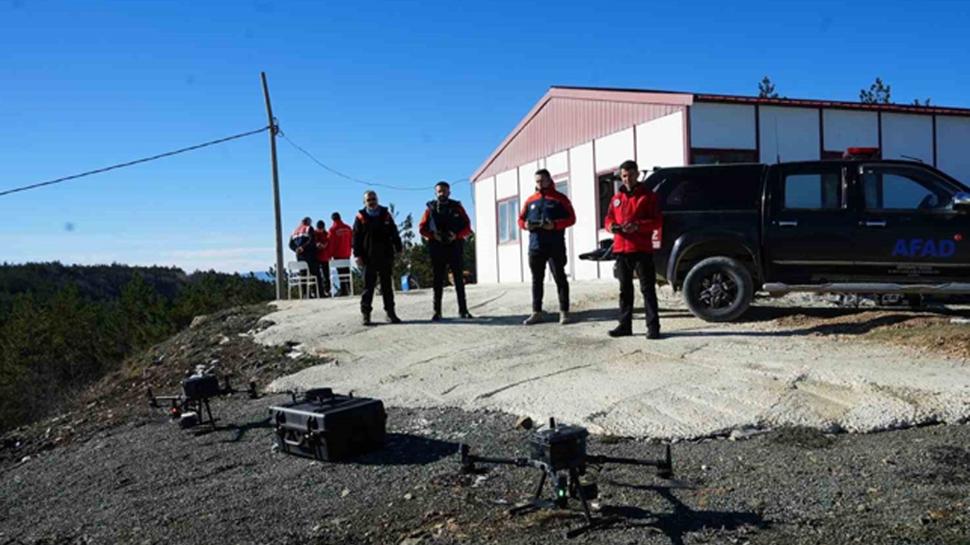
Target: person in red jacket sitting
point(633, 216)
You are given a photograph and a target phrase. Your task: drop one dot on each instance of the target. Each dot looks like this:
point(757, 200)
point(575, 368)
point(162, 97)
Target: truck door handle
point(791, 223)
point(873, 223)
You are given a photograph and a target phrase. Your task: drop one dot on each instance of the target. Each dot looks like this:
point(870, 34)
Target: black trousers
point(557, 263)
point(323, 278)
point(446, 258)
point(371, 274)
point(344, 272)
point(642, 264)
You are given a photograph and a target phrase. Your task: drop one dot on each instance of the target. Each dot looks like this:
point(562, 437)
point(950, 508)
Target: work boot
point(466, 315)
point(534, 318)
point(565, 318)
point(653, 333)
point(392, 318)
point(621, 331)
point(436, 317)
point(365, 318)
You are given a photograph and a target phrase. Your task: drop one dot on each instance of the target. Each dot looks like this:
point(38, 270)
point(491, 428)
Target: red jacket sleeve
point(423, 225)
point(525, 207)
point(570, 218)
point(467, 229)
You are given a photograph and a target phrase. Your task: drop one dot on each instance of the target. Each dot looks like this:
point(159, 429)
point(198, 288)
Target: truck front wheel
point(718, 289)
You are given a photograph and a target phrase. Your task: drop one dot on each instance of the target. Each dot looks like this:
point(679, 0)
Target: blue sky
point(398, 92)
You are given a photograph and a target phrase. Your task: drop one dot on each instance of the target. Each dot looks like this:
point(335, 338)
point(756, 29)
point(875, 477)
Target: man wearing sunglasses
point(376, 241)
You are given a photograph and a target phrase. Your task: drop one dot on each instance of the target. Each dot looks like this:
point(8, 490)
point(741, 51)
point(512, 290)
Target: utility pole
point(273, 129)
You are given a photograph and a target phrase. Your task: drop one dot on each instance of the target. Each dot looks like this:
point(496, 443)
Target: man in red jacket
point(341, 240)
point(633, 216)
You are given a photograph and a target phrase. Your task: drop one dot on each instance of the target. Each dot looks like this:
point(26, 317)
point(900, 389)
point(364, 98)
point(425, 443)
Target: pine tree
point(878, 93)
point(766, 89)
point(145, 317)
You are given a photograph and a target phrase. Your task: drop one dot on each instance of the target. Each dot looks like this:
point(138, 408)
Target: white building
point(581, 135)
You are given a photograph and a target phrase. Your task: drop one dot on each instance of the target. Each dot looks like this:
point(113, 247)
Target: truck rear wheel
point(718, 289)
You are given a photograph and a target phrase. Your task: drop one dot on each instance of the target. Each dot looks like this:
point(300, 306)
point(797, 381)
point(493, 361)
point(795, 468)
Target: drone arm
point(468, 460)
point(664, 465)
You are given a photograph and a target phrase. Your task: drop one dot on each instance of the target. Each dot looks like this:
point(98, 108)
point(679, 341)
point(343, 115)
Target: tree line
point(879, 92)
point(64, 327)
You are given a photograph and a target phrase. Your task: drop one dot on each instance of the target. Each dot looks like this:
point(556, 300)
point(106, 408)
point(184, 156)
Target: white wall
point(907, 134)
point(791, 134)
point(527, 186)
point(612, 150)
point(660, 142)
point(486, 269)
point(722, 126)
point(506, 184)
point(843, 129)
point(557, 164)
point(583, 195)
point(953, 147)
point(509, 270)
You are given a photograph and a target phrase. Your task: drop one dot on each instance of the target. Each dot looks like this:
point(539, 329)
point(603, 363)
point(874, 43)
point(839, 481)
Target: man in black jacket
point(376, 241)
point(445, 225)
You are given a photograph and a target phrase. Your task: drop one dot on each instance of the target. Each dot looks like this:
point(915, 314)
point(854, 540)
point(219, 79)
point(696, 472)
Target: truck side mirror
point(961, 202)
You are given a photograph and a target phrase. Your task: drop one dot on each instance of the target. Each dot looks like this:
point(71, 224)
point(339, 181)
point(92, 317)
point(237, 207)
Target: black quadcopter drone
point(197, 389)
point(559, 452)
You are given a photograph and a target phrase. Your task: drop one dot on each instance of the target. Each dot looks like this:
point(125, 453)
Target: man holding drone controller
point(546, 215)
point(445, 225)
point(633, 217)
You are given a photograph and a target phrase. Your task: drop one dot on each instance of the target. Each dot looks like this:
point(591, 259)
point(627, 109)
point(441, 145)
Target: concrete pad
point(700, 380)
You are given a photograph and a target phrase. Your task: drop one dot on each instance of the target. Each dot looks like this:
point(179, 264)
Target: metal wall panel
point(566, 122)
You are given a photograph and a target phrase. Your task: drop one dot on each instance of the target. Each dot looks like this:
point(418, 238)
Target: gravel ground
point(112, 471)
point(147, 481)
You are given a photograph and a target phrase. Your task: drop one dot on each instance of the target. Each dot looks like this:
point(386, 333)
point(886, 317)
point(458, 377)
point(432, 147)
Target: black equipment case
point(328, 426)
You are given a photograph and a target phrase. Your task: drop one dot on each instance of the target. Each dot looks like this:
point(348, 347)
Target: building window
point(704, 156)
point(562, 186)
point(508, 217)
point(607, 184)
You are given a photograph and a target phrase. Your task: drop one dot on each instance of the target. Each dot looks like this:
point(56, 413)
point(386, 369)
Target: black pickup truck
point(856, 225)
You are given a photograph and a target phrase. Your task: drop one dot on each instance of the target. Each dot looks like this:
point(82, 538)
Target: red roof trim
point(835, 104)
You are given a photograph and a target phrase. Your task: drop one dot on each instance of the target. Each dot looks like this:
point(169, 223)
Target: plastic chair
point(298, 276)
point(347, 264)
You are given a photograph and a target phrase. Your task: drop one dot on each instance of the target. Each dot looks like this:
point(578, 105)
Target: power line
point(358, 180)
point(130, 163)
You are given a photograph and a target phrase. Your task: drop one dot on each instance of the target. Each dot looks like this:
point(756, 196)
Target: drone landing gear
point(566, 485)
